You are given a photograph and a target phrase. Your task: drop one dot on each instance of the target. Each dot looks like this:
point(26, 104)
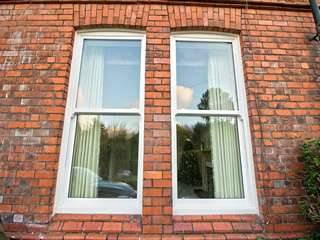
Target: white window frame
point(64, 204)
point(249, 204)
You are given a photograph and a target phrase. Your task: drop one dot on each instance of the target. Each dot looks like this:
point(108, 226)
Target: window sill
point(213, 206)
point(99, 206)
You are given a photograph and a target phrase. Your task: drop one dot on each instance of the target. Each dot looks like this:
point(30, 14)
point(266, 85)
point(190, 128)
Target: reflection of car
point(106, 189)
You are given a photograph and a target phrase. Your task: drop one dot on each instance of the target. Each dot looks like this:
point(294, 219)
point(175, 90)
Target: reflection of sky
point(193, 78)
point(121, 71)
point(189, 121)
point(192, 69)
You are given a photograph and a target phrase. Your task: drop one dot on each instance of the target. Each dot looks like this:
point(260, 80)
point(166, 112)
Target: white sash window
point(100, 168)
point(212, 160)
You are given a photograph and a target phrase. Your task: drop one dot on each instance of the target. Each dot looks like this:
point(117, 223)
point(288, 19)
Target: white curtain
point(84, 175)
point(225, 155)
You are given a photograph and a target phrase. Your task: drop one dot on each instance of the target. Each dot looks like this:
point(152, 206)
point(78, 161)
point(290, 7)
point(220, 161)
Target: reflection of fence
point(201, 158)
point(204, 159)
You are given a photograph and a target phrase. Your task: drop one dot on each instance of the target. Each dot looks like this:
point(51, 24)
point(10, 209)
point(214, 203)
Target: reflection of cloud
point(87, 121)
point(134, 104)
point(184, 96)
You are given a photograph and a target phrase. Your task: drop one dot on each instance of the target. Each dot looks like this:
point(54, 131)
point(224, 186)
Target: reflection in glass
point(109, 67)
point(208, 158)
point(205, 70)
point(105, 157)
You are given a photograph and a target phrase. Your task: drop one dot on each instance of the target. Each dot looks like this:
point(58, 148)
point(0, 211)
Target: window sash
point(64, 204)
point(249, 204)
point(106, 111)
point(230, 113)
point(76, 64)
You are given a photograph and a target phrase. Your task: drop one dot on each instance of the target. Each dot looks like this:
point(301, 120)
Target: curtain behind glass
point(227, 177)
point(84, 175)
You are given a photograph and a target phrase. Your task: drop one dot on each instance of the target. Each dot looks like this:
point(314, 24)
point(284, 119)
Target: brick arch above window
point(168, 17)
point(205, 18)
point(124, 15)
point(205, 29)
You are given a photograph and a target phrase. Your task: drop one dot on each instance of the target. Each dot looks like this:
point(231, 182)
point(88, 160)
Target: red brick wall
point(281, 71)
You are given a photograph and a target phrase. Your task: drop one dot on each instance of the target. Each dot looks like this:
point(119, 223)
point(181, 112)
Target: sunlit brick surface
point(281, 68)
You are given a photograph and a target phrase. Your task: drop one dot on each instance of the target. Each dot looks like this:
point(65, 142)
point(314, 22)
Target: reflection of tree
point(118, 153)
point(215, 99)
point(203, 105)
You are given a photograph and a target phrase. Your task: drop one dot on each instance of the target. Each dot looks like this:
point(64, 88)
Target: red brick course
point(281, 68)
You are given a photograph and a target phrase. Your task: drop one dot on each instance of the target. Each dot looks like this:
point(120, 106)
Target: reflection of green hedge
point(311, 181)
point(2, 235)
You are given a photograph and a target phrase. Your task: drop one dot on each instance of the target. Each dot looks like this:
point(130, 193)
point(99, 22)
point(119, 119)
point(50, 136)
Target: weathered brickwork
point(281, 67)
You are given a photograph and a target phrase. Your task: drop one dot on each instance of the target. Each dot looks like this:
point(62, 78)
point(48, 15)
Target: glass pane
point(105, 157)
point(208, 158)
point(110, 74)
point(205, 76)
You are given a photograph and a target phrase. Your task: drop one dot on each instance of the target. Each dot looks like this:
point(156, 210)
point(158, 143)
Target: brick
point(182, 227)
point(152, 174)
point(235, 236)
point(202, 227)
point(112, 227)
point(36, 47)
point(92, 226)
point(172, 237)
point(72, 226)
point(152, 211)
point(289, 227)
point(166, 220)
point(222, 227)
point(152, 229)
point(96, 236)
point(162, 183)
point(74, 236)
point(131, 227)
point(152, 192)
point(242, 227)
point(25, 174)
